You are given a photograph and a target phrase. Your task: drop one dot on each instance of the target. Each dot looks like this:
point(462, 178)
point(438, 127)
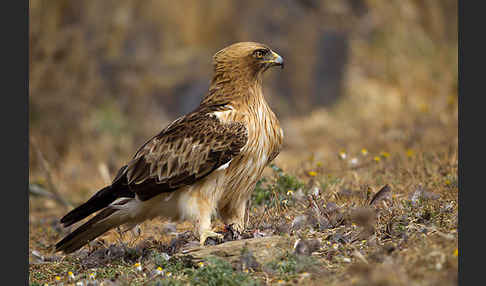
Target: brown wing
point(186, 151)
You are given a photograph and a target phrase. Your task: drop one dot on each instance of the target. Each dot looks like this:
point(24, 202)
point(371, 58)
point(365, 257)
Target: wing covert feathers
point(186, 151)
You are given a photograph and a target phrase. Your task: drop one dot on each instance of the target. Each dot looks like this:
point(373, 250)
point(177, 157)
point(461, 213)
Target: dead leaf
point(382, 194)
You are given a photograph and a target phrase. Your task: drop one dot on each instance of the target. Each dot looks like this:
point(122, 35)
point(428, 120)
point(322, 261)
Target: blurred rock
point(299, 222)
point(248, 260)
point(332, 58)
point(363, 216)
point(306, 247)
point(422, 194)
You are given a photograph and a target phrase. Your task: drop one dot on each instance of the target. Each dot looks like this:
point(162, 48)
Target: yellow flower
point(58, 278)
point(385, 154)
point(169, 274)
point(312, 173)
point(201, 264)
point(158, 271)
point(70, 275)
point(92, 275)
point(456, 252)
point(342, 154)
point(290, 192)
point(410, 152)
point(364, 151)
point(377, 159)
point(447, 182)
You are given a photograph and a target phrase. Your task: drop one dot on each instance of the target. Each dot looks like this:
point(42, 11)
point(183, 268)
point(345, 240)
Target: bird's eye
point(259, 54)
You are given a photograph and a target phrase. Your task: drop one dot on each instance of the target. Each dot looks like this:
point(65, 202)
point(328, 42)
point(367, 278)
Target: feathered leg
point(234, 214)
point(204, 222)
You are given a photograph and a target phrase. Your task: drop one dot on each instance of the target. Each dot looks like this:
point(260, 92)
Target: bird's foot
point(234, 231)
point(235, 227)
point(209, 233)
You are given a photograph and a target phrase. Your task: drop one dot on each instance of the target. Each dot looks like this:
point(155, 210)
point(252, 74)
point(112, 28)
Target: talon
point(236, 227)
point(208, 233)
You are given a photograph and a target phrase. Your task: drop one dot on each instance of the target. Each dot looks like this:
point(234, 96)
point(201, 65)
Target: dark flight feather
point(87, 232)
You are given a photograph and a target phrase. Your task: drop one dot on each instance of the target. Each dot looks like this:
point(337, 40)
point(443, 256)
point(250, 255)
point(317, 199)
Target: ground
point(363, 193)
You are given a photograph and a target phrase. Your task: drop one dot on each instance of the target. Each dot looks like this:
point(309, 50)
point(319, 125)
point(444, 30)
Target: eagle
point(204, 163)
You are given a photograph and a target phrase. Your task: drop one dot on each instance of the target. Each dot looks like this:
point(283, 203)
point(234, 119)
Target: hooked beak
point(273, 59)
point(277, 60)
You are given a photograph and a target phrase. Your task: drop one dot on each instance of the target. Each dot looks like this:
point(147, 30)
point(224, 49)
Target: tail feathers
point(101, 223)
point(98, 201)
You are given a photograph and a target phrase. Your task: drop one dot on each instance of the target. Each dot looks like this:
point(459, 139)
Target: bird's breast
point(264, 135)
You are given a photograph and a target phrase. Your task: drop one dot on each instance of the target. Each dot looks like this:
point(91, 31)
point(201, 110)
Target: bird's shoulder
point(213, 124)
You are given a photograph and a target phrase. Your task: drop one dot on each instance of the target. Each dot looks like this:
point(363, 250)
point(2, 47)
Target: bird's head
point(246, 59)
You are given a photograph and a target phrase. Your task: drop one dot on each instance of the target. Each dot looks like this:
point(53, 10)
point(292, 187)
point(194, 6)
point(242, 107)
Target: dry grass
point(414, 237)
point(95, 95)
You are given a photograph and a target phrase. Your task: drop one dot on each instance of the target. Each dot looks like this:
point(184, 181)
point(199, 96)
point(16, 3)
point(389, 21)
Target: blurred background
point(107, 75)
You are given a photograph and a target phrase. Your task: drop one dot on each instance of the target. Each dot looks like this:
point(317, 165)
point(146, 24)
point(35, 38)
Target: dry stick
point(276, 200)
point(48, 173)
point(261, 217)
point(247, 214)
point(39, 191)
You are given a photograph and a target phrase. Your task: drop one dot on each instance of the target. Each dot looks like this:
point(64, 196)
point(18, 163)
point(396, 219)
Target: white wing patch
point(222, 167)
point(223, 114)
point(117, 201)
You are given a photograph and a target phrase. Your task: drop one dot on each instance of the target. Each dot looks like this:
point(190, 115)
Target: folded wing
point(186, 151)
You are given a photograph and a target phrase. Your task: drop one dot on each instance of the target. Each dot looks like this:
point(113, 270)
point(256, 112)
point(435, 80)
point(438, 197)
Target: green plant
point(219, 272)
point(289, 264)
point(283, 183)
point(173, 265)
point(166, 282)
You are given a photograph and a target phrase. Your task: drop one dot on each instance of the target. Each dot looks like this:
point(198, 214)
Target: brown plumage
point(206, 162)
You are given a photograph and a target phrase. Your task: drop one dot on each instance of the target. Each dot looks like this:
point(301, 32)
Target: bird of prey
point(204, 163)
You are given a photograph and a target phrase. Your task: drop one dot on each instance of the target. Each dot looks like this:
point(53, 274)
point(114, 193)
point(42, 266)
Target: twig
point(261, 217)
point(39, 191)
point(358, 255)
point(47, 170)
point(247, 213)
